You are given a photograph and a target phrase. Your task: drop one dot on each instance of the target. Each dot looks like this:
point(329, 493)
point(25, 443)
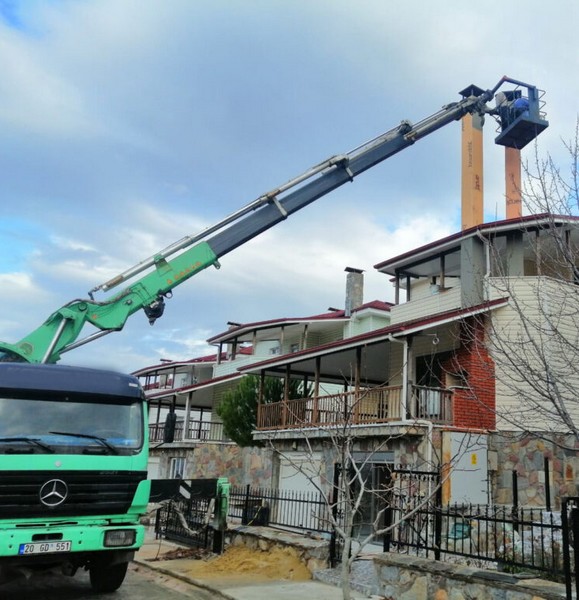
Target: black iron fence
point(511, 538)
point(191, 515)
point(302, 511)
point(505, 537)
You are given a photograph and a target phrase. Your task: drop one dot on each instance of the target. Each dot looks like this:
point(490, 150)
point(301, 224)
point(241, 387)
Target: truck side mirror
point(169, 430)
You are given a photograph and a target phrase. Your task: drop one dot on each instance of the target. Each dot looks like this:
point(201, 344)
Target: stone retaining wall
point(312, 552)
point(411, 578)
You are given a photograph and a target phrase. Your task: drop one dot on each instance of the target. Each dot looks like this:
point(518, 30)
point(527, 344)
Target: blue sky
point(127, 124)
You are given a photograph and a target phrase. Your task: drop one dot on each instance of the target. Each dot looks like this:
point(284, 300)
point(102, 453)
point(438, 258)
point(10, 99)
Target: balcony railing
point(362, 407)
point(197, 431)
point(431, 404)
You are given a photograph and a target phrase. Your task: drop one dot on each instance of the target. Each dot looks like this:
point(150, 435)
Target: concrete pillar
point(472, 171)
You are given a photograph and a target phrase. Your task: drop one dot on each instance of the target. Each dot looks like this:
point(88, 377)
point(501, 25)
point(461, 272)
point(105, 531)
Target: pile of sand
point(276, 563)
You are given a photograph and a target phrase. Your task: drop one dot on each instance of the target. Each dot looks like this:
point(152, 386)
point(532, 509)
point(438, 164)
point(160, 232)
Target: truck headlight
point(120, 537)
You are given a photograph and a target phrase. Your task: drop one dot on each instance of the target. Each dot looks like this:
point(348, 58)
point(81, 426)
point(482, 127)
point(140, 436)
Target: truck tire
point(107, 578)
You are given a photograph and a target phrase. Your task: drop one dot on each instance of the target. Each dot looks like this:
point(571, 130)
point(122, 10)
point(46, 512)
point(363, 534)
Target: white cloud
point(128, 124)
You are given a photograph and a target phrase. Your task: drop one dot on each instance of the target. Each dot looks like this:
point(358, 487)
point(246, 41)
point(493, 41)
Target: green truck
point(73, 471)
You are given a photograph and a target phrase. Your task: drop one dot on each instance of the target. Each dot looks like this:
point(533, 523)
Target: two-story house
point(459, 378)
point(470, 370)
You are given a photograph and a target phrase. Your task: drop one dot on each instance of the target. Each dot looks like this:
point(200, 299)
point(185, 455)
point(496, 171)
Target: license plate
point(44, 547)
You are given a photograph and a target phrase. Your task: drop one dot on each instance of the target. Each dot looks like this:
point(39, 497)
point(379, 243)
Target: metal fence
point(504, 537)
point(508, 538)
point(302, 511)
point(188, 516)
point(201, 431)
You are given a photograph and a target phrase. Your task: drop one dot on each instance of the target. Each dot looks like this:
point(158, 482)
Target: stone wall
point(241, 466)
point(413, 578)
point(525, 454)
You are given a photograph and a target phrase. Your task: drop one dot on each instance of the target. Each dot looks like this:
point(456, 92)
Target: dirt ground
point(240, 561)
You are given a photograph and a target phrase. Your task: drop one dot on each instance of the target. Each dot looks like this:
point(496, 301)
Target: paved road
point(140, 584)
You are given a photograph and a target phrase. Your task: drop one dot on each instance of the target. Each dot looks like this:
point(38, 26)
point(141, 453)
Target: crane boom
point(183, 259)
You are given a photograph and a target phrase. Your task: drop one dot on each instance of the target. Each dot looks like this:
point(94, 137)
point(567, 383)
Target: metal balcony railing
point(200, 431)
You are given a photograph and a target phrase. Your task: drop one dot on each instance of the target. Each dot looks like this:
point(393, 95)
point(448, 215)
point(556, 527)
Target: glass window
point(177, 468)
point(118, 421)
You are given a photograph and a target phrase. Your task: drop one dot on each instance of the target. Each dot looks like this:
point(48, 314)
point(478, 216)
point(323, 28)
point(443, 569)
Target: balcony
point(357, 407)
point(437, 301)
point(197, 431)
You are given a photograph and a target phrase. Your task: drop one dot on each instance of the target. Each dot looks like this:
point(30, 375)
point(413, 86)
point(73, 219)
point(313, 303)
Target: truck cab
point(73, 471)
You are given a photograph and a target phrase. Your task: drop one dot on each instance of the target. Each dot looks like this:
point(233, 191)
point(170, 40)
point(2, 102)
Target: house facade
point(472, 375)
point(192, 390)
point(469, 372)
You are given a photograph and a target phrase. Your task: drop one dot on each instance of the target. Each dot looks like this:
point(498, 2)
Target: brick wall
point(473, 404)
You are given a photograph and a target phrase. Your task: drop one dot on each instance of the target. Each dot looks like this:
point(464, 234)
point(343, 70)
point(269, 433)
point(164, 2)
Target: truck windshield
point(70, 425)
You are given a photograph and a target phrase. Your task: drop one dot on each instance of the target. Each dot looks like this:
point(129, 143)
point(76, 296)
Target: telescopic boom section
point(186, 257)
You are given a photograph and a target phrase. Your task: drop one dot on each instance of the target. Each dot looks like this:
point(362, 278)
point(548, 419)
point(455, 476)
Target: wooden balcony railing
point(362, 407)
point(205, 431)
point(431, 404)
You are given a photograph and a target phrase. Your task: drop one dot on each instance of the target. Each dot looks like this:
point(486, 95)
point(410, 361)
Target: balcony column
point(158, 419)
point(285, 394)
point(173, 409)
point(315, 412)
point(407, 378)
point(260, 398)
point(357, 372)
point(187, 415)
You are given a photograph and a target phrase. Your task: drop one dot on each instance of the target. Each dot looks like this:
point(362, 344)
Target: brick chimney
point(354, 289)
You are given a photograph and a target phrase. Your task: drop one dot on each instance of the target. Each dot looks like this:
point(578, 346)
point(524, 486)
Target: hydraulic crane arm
point(60, 332)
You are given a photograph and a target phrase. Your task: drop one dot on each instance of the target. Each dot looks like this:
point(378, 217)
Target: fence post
point(438, 523)
point(566, 554)
point(547, 486)
point(388, 515)
point(335, 497)
point(158, 533)
point(515, 514)
point(245, 513)
point(575, 528)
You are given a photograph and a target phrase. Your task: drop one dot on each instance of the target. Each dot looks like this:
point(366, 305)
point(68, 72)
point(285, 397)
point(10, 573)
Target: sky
point(128, 124)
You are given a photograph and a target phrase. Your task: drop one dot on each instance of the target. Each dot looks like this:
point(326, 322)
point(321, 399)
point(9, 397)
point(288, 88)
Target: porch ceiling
point(202, 394)
point(338, 367)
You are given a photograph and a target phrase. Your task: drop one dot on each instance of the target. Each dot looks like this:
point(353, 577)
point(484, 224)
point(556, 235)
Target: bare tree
point(534, 341)
point(364, 498)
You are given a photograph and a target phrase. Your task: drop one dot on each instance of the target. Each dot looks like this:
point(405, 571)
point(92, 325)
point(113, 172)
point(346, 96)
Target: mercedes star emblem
point(53, 493)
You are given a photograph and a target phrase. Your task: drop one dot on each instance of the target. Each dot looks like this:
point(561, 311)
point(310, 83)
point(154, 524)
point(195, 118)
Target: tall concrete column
point(472, 193)
point(514, 207)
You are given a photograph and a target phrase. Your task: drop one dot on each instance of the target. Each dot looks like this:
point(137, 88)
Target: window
point(72, 424)
point(177, 468)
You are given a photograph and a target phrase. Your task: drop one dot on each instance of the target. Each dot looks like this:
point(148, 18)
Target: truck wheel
point(107, 578)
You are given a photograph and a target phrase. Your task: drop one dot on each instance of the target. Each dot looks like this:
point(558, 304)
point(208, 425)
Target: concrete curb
point(184, 578)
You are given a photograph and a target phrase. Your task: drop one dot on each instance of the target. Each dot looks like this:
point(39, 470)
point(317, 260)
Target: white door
point(299, 475)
